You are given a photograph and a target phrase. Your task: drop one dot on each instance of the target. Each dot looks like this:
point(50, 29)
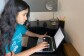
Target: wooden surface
point(69, 50)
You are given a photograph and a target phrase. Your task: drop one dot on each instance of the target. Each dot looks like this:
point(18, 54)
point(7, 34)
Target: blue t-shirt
point(16, 45)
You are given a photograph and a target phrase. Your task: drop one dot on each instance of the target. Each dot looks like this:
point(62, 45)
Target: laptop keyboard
point(49, 40)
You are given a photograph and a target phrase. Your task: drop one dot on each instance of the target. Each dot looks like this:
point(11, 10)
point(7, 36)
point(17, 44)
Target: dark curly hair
point(8, 22)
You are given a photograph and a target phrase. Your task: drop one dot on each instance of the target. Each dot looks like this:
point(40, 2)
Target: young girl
point(12, 28)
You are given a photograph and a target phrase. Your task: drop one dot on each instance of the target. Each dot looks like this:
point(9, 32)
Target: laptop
point(54, 42)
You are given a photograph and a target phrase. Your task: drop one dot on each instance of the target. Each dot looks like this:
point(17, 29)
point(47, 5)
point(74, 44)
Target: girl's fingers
point(45, 33)
point(46, 45)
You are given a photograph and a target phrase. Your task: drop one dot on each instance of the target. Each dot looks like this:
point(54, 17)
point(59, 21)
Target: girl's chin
point(21, 23)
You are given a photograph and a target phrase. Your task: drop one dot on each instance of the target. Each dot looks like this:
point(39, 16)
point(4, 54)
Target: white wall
point(42, 15)
point(73, 10)
point(2, 3)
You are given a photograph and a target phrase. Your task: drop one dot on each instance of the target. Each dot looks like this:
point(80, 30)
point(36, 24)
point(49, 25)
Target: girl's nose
point(25, 18)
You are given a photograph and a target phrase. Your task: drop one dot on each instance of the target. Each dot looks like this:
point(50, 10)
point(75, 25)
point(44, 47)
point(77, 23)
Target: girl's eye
point(23, 14)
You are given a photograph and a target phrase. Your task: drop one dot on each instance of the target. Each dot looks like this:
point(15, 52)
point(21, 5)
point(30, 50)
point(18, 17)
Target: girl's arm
point(29, 33)
point(30, 51)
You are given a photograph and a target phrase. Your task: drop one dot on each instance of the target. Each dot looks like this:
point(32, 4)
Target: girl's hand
point(41, 46)
point(41, 36)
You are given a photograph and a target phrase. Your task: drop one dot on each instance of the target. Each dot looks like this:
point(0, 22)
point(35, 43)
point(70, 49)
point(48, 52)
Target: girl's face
point(22, 17)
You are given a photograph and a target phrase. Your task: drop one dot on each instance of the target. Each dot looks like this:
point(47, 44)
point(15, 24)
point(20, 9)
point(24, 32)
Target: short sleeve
point(16, 48)
point(7, 50)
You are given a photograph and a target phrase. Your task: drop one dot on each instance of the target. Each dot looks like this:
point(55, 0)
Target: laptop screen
point(59, 36)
